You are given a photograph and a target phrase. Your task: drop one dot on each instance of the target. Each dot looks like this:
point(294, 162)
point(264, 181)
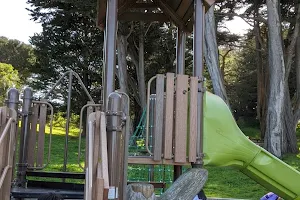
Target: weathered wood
point(193, 119)
point(169, 117)
point(32, 135)
point(181, 118)
point(103, 156)
point(187, 186)
point(158, 124)
point(41, 135)
point(150, 161)
point(96, 151)
point(137, 16)
point(140, 191)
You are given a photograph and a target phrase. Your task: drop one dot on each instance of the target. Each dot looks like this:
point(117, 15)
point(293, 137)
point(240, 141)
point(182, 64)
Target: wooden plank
point(174, 4)
point(169, 117)
point(103, 151)
point(101, 14)
point(89, 110)
point(172, 15)
point(193, 119)
point(96, 151)
point(99, 189)
point(189, 13)
point(159, 118)
point(3, 151)
point(41, 135)
point(32, 135)
point(150, 161)
point(181, 106)
point(137, 16)
point(183, 8)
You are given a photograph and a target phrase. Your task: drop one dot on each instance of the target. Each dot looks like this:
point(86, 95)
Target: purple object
point(269, 196)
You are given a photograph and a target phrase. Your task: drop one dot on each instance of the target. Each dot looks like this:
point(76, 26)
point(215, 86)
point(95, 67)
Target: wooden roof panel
point(179, 12)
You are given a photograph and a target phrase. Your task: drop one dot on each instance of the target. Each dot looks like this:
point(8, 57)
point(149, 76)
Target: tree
point(69, 41)
point(8, 78)
point(212, 56)
point(19, 55)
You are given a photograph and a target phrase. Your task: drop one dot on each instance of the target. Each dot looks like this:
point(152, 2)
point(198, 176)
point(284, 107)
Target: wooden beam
point(101, 14)
point(138, 16)
point(183, 8)
point(144, 5)
point(125, 6)
point(169, 11)
point(150, 161)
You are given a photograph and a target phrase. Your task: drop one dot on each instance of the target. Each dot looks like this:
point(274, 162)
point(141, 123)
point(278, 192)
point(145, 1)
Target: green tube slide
point(226, 145)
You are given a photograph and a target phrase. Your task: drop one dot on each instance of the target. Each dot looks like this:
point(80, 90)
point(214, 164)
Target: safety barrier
point(175, 123)
point(8, 127)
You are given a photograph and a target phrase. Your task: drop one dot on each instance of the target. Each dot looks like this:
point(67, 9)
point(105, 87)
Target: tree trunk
point(275, 111)
point(212, 56)
point(262, 76)
point(187, 186)
point(289, 139)
point(122, 62)
point(292, 109)
point(141, 68)
point(140, 191)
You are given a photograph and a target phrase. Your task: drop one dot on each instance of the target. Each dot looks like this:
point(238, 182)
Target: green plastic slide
point(226, 145)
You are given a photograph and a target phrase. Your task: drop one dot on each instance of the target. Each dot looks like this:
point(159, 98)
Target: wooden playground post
point(198, 71)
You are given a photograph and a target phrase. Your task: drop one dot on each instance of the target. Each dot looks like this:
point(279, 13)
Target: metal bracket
point(117, 113)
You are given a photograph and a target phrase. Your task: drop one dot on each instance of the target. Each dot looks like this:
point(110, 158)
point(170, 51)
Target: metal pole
point(114, 133)
point(22, 165)
point(198, 71)
point(180, 51)
point(13, 99)
point(110, 48)
point(68, 121)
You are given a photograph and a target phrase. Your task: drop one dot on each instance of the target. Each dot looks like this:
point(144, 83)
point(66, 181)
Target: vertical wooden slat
point(96, 151)
point(193, 119)
point(89, 110)
point(32, 134)
point(158, 126)
point(181, 118)
point(41, 135)
point(169, 116)
point(3, 149)
point(103, 155)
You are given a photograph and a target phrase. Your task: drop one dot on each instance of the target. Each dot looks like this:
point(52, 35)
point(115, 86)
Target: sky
point(15, 21)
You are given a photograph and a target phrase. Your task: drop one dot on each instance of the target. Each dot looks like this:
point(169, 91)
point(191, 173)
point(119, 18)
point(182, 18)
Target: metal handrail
point(80, 131)
point(50, 135)
point(148, 113)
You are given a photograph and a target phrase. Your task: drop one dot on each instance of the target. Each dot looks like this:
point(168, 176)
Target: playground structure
point(185, 125)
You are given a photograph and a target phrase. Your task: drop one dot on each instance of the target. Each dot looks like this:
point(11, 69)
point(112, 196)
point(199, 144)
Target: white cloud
point(15, 21)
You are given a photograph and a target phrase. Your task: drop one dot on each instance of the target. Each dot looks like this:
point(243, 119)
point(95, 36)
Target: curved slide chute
point(226, 145)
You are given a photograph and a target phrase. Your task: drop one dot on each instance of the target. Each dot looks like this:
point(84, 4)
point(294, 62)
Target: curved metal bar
point(50, 135)
point(83, 86)
point(147, 116)
point(80, 130)
point(57, 82)
point(80, 82)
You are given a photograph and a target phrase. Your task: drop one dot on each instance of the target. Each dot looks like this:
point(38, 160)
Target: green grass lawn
point(222, 182)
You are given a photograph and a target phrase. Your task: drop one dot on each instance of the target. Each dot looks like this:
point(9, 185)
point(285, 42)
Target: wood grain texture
point(32, 135)
point(41, 135)
point(187, 186)
point(193, 119)
point(181, 111)
point(158, 123)
point(169, 117)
